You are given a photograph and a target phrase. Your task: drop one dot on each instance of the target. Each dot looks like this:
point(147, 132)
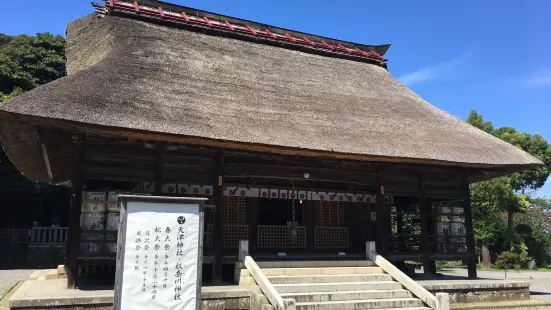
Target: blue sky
point(491, 55)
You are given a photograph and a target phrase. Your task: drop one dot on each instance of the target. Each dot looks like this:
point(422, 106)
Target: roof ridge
point(244, 28)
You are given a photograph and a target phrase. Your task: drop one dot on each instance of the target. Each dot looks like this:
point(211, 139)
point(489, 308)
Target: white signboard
point(159, 253)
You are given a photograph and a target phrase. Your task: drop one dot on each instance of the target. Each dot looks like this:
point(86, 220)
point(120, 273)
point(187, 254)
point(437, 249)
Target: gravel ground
point(540, 282)
point(9, 278)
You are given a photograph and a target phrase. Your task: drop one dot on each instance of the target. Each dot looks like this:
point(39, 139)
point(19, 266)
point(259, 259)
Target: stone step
point(329, 278)
point(362, 304)
point(335, 287)
point(315, 264)
point(51, 274)
point(347, 295)
point(267, 307)
point(320, 271)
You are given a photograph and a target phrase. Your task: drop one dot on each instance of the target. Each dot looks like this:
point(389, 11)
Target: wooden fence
point(49, 235)
point(13, 235)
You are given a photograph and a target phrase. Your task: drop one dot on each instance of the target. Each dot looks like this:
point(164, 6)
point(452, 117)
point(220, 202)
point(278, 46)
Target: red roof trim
point(185, 17)
point(251, 30)
point(207, 21)
point(230, 26)
point(331, 47)
point(308, 41)
point(135, 8)
point(270, 34)
point(290, 38)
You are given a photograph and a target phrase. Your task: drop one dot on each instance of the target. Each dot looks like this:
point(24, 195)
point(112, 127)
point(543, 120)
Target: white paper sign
point(161, 255)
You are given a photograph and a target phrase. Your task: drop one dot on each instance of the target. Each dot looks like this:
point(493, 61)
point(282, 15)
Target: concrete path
point(540, 282)
point(9, 278)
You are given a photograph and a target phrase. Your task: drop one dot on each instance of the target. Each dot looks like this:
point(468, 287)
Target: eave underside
point(126, 158)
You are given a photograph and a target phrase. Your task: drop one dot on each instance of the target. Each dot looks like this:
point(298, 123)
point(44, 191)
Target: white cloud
point(436, 71)
point(541, 79)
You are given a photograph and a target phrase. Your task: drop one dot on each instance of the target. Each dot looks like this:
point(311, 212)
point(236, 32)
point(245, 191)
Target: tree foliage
point(535, 145)
point(477, 120)
point(507, 194)
point(25, 63)
point(533, 228)
point(29, 61)
point(489, 200)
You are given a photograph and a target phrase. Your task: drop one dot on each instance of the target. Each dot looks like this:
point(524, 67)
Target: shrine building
point(304, 145)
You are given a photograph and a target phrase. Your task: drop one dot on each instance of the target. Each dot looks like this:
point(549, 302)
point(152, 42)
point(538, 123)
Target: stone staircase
point(343, 285)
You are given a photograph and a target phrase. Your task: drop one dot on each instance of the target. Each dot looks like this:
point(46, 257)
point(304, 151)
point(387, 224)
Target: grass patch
point(543, 269)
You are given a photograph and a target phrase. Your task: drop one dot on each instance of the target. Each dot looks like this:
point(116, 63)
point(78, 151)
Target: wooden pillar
point(382, 218)
point(252, 221)
point(425, 244)
point(308, 206)
point(471, 264)
point(433, 231)
point(74, 230)
point(218, 241)
point(158, 172)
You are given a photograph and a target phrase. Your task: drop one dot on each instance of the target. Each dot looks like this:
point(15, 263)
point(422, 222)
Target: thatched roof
point(129, 75)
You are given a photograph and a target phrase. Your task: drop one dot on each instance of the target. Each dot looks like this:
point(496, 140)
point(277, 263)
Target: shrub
point(441, 264)
point(516, 259)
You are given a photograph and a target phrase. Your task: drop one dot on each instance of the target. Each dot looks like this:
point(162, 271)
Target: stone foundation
point(472, 291)
point(53, 295)
point(225, 299)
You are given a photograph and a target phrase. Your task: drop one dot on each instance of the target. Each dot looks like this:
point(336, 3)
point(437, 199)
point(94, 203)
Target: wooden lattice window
point(234, 233)
point(209, 219)
point(331, 237)
point(231, 236)
point(207, 238)
point(271, 236)
point(330, 214)
point(235, 210)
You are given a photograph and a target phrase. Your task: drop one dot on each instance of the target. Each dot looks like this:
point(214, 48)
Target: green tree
point(25, 63)
point(520, 183)
point(534, 229)
point(532, 179)
point(477, 120)
point(29, 61)
point(488, 200)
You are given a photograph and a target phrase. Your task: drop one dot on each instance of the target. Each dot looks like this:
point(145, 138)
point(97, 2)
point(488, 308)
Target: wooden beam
point(74, 230)
point(293, 172)
point(382, 219)
point(471, 264)
point(218, 241)
point(425, 248)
